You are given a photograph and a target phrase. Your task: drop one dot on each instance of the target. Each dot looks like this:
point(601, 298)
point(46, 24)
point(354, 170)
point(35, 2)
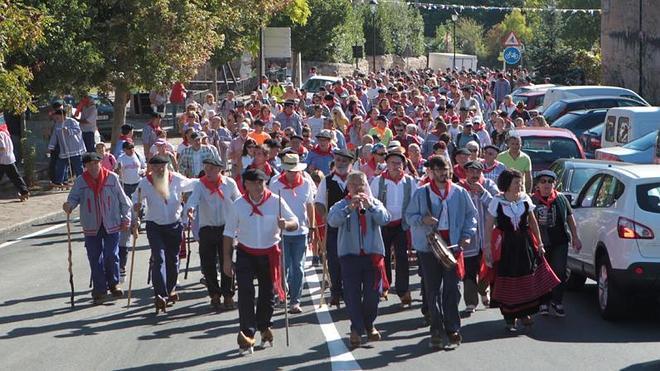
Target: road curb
point(5, 232)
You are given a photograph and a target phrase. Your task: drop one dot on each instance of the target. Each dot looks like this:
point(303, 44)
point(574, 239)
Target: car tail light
point(631, 230)
point(606, 156)
point(594, 143)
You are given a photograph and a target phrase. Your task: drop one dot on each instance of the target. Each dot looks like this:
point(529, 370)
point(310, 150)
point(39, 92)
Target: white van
point(625, 124)
point(567, 92)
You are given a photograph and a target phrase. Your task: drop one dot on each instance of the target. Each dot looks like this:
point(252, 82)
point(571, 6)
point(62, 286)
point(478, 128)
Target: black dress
point(522, 277)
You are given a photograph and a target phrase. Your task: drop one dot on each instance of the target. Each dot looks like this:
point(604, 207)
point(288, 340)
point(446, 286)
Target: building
point(630, 46)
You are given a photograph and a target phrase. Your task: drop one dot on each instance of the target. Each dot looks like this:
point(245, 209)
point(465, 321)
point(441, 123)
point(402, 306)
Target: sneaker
point(295, 309)
point(543, 310)
point(558, 310)
point(485, 301)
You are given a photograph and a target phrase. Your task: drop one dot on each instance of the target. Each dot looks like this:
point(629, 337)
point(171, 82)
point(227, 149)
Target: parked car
point(590, 140)
point(623, 125)
point(573, 173)
point(532, 99)
point(580, 121)
point(546, 145)
point(314, 83)
point(644, 150)
point(618, 215)
point(531, 88)
point(566, 92)
point(561, 107)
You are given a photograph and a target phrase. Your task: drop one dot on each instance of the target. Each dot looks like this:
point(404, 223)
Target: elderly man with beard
point(481, 191)
point(446, 209)
point(105, 211)
point(162, 192)
point(330, 191)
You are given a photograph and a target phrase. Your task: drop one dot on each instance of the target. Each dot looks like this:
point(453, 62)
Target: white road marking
point(340, 357)
point(35, 234)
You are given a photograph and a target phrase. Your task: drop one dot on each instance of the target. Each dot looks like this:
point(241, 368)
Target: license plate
point(102, 117)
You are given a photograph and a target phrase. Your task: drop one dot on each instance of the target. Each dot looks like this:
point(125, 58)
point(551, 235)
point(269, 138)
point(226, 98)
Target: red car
point(546, 145)
point(532, 99)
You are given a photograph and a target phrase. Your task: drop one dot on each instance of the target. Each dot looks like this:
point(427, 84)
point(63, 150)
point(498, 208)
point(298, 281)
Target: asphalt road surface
point(40, 331)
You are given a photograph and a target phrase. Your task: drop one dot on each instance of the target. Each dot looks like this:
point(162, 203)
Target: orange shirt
point(260, 138)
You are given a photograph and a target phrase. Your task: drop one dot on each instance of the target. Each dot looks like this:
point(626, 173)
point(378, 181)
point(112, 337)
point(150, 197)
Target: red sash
point(274, 253)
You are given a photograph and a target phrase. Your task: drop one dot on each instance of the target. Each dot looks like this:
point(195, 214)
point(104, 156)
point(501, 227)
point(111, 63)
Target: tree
point(513, 22)
point(398, 28)
point(469, 37)
point(21, 30)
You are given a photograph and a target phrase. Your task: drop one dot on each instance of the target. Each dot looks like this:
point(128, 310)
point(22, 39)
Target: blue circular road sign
point(512, 55)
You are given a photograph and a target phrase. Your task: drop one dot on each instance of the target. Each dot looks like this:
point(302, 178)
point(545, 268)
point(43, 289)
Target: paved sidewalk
point(42, 207)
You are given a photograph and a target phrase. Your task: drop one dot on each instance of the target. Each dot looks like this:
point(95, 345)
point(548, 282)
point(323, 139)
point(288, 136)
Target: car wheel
point(611, 300)
point(574, 280)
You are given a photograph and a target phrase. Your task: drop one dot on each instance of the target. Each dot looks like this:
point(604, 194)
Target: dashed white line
point(340, 357)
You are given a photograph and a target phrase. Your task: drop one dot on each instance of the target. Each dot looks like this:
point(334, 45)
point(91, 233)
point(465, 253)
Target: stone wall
point(622, 42)
point(365, 65)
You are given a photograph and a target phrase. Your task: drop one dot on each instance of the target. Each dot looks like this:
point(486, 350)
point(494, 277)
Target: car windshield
point(313, 85)
point(566, 120)
point(579, 178)
point(520, 98)
point(554, 110)
point(643, 143)
point(648, 197)
point(548, 149)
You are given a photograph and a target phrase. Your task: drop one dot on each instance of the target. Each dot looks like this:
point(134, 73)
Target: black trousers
point(210, 253)
point(247, 267)
point(396, 236)
point(12, 173)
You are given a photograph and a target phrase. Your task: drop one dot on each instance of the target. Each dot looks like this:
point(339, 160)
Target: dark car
point(580, 121)
point(546, 145)
point(591, 140)
point(563, 106)
point(532, 99)
point(573, 173)
point(105, 112)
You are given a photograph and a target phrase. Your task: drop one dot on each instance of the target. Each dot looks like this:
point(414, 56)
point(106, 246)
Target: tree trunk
point(119, 118)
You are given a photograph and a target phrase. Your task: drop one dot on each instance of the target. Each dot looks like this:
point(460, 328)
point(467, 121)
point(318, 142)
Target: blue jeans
point(360, 295)
point(103, 256)
point(164, 241)
point(441, 293)
point(61, 168)
point(294, 260)
point(88, 139)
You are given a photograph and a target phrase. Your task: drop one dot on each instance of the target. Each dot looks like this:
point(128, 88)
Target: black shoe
point(316, 261)
point(122, 272)
point(558, 310)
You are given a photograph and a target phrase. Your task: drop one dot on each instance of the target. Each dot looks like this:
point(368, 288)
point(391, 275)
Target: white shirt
point(7, 156)
point(212, 210)
point(197, 162)
point(131, 168)
point(514, 210)
point(453, 131)
point(316, 124)
point(159, 210)
point(321, 197)
point(484, 138)
point(256, 231)
point(297, 199)
point(180, 148)
point(394, 195)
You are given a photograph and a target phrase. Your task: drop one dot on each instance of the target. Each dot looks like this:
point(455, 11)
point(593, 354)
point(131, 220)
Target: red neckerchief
point(154, 127)
point(342, 177)
point(301, 150)
point(213, 187)
point(372, 163)
point(436, 190)
point(362, 219)
point(317, 149)
point(125, 138)
point(96, 184)
point(185, 142)
point(4, 128)
point(267, 168)
point(488, 170)
point(464, 183)
point(547, 202)
point(297, 181)
point(386, 175)
point(255, 208)
point(151, 180)
point(460, 172)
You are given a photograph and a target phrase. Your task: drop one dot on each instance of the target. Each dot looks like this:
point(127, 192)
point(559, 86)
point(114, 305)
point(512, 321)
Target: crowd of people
point(359, 175)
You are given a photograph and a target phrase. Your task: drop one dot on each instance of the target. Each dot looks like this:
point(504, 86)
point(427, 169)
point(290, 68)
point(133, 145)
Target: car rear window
point(623, 130)
point(610, 127)
point(545, 149)
point(313, 85)
point(648, 197)
point(579, 178)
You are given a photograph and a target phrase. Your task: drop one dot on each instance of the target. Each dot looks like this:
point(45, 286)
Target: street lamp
point(373, 5)
point(454, 18)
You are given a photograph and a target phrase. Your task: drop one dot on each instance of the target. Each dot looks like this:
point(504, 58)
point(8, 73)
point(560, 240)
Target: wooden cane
point(135, 237)
point(283, 268)
point(68, 236)
point(185, 276)
point(324, 254)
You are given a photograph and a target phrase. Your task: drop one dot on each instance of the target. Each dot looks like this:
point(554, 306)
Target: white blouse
point(512, 209)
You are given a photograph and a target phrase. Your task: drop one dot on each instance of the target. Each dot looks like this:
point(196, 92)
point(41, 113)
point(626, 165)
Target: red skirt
point(514, 291)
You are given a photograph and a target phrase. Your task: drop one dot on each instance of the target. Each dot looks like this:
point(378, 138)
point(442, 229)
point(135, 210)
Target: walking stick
point(286, 289)
point(149, 271)
point(68, 237)
point(324, 255)
point(135, 237)
point(185, 276)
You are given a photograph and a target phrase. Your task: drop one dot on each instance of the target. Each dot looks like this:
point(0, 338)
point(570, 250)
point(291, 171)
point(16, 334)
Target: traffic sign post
point(512, 50)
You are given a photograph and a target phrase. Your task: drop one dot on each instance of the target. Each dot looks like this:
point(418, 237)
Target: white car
point(618, 217)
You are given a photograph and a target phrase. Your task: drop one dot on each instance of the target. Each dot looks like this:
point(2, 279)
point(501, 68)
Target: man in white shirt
point(130, 170)
point(395, 189)
point(211, 197)
point(298, 192)
point(256, 220)
point(162, 192)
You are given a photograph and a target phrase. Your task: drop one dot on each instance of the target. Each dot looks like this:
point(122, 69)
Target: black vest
point(335, 194)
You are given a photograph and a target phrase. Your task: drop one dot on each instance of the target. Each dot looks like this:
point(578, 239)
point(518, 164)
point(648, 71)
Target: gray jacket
point(112, 209)
point(349, 240)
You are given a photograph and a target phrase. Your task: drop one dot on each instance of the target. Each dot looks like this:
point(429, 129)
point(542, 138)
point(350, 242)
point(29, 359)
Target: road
point(39, 330)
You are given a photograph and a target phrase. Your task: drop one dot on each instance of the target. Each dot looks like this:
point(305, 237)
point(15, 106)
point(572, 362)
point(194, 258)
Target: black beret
point(213, 161)
point(463, 151)
point(157, 160)
point(127, 144)
point(254, 174)
point(91, 156)
point(490, 146)
point(344, 153)
point(477, 165)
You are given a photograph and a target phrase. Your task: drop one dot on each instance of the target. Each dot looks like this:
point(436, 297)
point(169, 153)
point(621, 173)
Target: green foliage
point(399, 29)
point(469, 38)
point(29, 155)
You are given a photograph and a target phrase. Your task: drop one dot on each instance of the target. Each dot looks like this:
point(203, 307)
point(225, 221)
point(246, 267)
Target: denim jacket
point(349, 239)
